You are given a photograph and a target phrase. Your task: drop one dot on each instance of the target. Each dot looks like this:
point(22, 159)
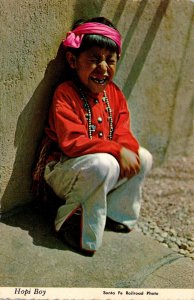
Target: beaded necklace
point(87, 107)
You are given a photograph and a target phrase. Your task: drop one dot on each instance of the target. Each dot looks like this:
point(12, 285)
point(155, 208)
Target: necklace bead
point(91, 127)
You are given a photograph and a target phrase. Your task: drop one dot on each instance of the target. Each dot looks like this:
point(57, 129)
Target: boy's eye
point(94, 61)
point(111, 61)
point(97, 61)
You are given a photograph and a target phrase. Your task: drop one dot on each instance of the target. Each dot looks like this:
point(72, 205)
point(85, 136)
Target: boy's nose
point(103, 66)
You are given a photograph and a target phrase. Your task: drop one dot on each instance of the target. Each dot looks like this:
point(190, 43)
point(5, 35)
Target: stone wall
point(155, 73)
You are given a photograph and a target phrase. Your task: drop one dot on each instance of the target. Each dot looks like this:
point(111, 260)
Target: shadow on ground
point(33, 219)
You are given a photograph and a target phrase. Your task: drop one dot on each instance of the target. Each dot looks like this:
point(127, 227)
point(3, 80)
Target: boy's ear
point(71, 59)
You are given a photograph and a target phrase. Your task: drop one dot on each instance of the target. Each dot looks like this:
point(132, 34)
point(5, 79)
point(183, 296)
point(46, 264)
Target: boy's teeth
point(99, 80)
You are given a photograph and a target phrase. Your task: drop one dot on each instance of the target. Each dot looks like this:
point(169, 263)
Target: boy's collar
point(90, 94)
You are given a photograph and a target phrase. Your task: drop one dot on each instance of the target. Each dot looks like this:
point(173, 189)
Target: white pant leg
point(84, 182)
point(123, 203)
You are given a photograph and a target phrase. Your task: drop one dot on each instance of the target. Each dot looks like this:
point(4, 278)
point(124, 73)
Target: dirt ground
point(168, 196)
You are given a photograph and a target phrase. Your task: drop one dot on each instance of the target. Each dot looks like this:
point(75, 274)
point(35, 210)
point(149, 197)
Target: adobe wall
point(155, 73)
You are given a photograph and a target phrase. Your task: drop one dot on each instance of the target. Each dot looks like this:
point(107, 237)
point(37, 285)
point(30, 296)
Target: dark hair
point(91, 40)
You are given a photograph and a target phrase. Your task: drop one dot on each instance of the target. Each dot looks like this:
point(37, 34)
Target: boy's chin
point(97, 88)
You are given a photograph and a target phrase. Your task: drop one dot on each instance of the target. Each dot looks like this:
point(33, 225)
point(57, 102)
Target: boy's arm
point(129, 158)
point(122, 129)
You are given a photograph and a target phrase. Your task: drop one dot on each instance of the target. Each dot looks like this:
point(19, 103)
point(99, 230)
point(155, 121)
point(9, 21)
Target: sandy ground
point(168, 201)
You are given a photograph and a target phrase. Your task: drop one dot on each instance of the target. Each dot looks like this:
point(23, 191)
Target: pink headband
point(74, 37)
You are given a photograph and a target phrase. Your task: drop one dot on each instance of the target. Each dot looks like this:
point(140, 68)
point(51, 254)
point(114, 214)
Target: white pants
point(91, 182)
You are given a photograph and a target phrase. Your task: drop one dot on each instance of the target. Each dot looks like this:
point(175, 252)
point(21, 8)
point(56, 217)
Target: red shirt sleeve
point(122, 131)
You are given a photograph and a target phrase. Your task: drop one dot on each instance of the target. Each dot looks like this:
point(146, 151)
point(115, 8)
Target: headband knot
point(74, 37)
point(73, 40)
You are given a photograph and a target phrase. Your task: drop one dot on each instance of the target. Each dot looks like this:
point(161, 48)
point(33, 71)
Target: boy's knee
point(104, 163)
point(146, 160)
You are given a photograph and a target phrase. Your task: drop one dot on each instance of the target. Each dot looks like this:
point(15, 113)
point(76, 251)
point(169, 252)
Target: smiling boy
point(89, 123)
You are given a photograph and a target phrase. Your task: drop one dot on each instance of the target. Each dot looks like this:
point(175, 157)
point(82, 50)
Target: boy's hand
point(129, 163)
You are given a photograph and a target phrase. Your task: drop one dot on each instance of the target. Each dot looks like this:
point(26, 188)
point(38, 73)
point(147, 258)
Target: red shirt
point(68, 125)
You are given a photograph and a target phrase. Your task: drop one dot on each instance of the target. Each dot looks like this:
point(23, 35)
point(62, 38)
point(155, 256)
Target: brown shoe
point(116, 226)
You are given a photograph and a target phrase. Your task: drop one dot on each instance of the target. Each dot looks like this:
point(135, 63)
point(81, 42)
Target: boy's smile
point(95, 68)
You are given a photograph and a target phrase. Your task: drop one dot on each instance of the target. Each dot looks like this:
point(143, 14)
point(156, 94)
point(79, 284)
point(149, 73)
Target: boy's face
point(95, 68)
